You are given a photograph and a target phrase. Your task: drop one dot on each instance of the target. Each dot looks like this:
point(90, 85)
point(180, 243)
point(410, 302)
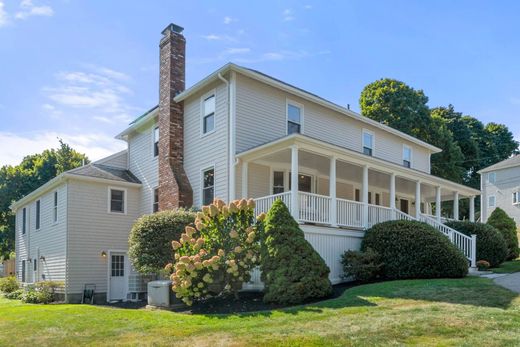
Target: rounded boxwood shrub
point(507, 226)
point(150, 239)
point(292, 271)
point(410, 249)
point(491, 245)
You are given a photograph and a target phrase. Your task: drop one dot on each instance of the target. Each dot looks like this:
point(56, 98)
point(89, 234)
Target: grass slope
point(463, 312)
point(508, 267)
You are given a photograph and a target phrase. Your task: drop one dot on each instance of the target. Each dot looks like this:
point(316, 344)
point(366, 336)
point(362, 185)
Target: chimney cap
point(173, 28)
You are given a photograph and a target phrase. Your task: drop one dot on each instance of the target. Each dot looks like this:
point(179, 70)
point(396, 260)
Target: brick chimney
point(174, 186)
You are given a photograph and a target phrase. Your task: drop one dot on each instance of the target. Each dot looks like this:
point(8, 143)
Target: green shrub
point(507, 226)
point(15, 295)
point(9, 284)
point(412, 249)
point(362, 266)
point(217, 256)
point(33, 296)
point(491, 245)
point(151, 236)
point(292, 271)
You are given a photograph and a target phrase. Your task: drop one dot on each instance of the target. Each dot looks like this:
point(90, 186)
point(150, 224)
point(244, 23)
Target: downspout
point(231, 135)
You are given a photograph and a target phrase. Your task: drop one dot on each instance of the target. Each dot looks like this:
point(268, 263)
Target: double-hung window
point(208, 116)
point(278, 182)
point(492, 201)
point(368, 142)
point(55, 208)
point(208, 186)
point(294, 118)
point(516, 198)
point(156, 141)
point(117, 200)
point(38, 214)
point(492, 177)
point(24, 220)
point(407, 156)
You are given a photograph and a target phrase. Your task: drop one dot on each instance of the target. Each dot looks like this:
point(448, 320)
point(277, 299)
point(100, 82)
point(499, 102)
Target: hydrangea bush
point(216, 256)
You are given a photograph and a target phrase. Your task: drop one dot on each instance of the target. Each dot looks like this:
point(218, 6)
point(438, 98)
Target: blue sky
point(81, 70)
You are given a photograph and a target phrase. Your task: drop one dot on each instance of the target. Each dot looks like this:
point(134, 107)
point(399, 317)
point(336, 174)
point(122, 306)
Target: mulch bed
point(248, 302)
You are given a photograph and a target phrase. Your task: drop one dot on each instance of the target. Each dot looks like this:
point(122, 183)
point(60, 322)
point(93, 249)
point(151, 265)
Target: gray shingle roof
point(510, 162)
point(105, 172)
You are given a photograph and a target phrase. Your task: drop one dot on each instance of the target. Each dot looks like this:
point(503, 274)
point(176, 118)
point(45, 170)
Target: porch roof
point(323, 148)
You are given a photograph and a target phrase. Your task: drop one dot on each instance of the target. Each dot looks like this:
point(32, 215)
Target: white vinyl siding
point(92, 230)
point(143, 164)
point(47, 245)
point(119, 160)
point(504, 189)
point(261, 118)
point(201, 152)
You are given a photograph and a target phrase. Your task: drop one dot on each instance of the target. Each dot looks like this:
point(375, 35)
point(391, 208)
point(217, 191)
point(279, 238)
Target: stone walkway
point(509, 281)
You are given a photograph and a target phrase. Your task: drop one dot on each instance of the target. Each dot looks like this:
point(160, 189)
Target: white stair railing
point(467, 244)
point(379, 214)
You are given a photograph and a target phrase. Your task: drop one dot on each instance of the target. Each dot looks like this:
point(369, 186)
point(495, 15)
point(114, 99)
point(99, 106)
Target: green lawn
point(462, 312)
point(508, 267)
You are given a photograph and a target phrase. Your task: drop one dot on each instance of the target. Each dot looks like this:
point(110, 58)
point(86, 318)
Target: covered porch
point(345, 189)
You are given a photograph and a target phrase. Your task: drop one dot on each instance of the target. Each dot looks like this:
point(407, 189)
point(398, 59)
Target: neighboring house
point(236, 133)
point(500, 187)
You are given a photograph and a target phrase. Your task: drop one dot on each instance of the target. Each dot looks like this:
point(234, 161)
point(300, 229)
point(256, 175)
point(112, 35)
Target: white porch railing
point(315, 208)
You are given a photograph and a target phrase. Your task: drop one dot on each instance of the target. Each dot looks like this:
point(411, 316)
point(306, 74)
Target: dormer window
point(294, 118)
point(368, 142)
point(407, 156)
point(208, 114)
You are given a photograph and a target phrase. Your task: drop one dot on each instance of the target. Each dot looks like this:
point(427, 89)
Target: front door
point(117, 276)
point(404, 206)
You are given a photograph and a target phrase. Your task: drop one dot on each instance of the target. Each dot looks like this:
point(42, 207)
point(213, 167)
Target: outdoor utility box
point(159, 293)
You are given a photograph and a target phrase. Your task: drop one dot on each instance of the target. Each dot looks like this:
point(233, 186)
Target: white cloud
point(215, 37)
point(288, 15)
point(229, 20)
point(28, 9)
point(95, 145)
point(4, 20)
point(281, 55)
point(307, 7)
point(238, 50)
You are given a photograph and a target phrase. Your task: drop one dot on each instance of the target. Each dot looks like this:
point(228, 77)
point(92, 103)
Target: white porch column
point(245, 175)
point(295, 208)
point(332, 193)
point(417, 199)
point(456, 205)
point(438, 203)
point(392, 194)
point(364, 198)
point(471, 208)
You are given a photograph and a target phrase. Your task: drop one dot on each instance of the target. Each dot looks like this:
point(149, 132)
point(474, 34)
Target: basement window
point(208, 117)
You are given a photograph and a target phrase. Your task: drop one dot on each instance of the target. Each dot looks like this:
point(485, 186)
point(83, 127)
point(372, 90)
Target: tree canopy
point(34, 171)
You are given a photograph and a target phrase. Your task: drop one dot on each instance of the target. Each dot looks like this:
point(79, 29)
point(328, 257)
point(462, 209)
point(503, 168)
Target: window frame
point(494, 201)
point(492, 174)
point(125, 199)
point(155, 203)
point(302, 115)
point(55, 203)
point(203, 116)
point(38, 214)
point(24, 220)
point(516, 196)
point(406, 147)
point(155, 142)
point(202, 188)
point(283, 172)
point(372, 150)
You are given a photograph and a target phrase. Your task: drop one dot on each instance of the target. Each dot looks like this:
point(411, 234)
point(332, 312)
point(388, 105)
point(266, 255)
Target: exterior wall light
point(103, 254)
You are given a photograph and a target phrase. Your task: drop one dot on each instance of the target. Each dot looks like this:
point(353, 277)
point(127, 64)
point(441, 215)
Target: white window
point(516, 198)
point(156, 141)
point(492, 201)
point(24, 220)
point(407, 156)
point(368, 142)
point(294, 118)
point(155, 200)
point(278, 182)
point(208, 186)
point(55, 208)
point(38, 214)
point(208, 114)
point(492, 177)
point(117, 200)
